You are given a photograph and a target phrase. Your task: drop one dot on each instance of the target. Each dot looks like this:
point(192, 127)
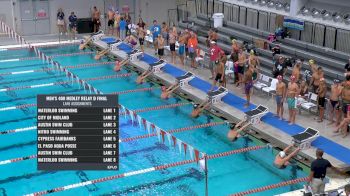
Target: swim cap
point(292, 77)
point(252, 52)
point(279, 77)
point(336, 81)
point(233, 41)
point(282, 154)
point(212, 42)
point(322, 80)
point(311, 61)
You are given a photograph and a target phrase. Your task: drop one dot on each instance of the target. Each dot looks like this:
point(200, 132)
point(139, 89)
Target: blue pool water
point(226, 175)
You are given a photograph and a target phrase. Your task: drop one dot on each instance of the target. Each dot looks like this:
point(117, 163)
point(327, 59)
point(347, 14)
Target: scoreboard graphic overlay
point(78, 132)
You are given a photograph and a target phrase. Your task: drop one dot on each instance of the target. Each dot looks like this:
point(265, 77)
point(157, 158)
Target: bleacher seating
point(333, 67)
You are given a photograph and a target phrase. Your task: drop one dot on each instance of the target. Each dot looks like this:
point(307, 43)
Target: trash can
point(218, 19)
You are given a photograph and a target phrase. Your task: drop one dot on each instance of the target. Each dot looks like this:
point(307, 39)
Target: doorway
point(35, 17)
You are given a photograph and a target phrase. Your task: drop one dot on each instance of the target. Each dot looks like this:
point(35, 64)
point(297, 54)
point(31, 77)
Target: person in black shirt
point(318, 173)
point(72, 25)
point(280, 68)
point(347, 68)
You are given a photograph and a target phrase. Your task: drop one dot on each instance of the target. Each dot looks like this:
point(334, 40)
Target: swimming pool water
point(225, 175)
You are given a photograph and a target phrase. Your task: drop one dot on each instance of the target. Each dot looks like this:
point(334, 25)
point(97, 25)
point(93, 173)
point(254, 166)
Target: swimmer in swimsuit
point(292, 92)
point(235, 131)
point(248, 81)
point(280, 96)
point(282, 159)
point(336, 90)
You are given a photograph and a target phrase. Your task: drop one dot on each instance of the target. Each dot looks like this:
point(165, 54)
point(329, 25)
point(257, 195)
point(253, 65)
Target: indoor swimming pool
point(23, 76)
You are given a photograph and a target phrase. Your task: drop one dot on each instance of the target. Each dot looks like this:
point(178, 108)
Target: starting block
point(305, 138)
point(114, 46)
point(157, 66)
point(254, 116)
point(97, 36)
point(216, 96)
point(134, 55)
point(184, 79)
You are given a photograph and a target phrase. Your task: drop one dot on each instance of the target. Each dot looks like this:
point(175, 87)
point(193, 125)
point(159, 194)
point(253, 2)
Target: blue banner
point(293, 24)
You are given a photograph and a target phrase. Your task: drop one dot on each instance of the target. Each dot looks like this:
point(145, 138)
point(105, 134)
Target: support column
point(295, 6)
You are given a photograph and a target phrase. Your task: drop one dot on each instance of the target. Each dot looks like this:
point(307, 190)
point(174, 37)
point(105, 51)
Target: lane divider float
point(142, 171)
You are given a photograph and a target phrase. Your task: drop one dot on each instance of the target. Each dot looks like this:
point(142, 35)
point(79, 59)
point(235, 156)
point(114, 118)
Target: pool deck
point(262, 130)
point(277, 137)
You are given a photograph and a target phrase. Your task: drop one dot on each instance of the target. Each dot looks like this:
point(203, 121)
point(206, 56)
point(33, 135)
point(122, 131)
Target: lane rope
point(157, 108)
point(64, 82)
point(272, 186)
point(44, 46)
point(52, 69)
point(120, 140)
point(34, 127)
point(53, 56)
point(179, 130)
point(142, 171)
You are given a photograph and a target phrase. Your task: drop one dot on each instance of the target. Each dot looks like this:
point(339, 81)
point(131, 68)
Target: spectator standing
point(165, 32)
point(116, 24)
point(96, 19)
point(182, 42)
point(155, 30)
point(209, 37)
point(60, 21)
point(248, 84)
point(215, 54)
point(315, 79)
point(192, 48)
point(296, 70)
point(122, 28)
point(235, 51)
point(321, 92)
point(280, 68)
point(292, 92)
point(161, 44)
point(280, 96)
point(141, 34)
point(141, 23)
point(72, 25)
point(241, 63)
point(172, 44)
point(110, 22)
point(318, 173)
point(335, 104)
point(128, 23)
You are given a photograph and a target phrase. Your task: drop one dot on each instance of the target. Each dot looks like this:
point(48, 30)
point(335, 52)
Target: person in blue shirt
point(122, 27)
point(155, 30)
point(72, 25)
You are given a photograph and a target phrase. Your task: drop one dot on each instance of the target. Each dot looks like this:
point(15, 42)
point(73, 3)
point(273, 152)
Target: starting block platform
point(216, 96)
point(97, 36)
point(157, 66)
point(305, 138)
point(184, 79)
point(254, 116)
point(114, 46)
point(135, 54)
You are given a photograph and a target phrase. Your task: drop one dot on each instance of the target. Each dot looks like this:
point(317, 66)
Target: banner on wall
point(293, 23)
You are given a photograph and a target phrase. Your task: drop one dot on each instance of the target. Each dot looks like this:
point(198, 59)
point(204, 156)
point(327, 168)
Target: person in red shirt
point(215, 53)
point(192, 44)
